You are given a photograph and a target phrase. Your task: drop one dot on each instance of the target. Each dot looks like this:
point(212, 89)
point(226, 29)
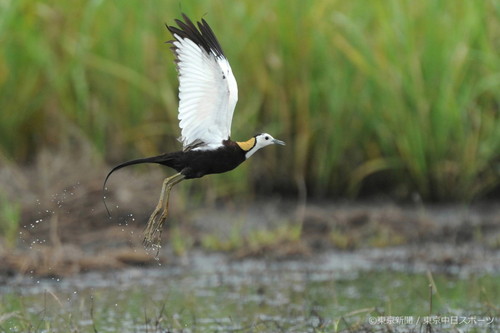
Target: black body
point(195, 163)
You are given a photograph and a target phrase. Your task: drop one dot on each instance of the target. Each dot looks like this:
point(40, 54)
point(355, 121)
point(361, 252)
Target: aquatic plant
point(393, 96)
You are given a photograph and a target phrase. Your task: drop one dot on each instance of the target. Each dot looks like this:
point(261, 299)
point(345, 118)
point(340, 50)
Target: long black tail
point(161, 159)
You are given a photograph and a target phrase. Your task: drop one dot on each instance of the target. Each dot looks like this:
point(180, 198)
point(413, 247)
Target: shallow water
point(213, 293)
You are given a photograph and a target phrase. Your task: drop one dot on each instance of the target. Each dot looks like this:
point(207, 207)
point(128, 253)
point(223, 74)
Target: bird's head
point(264, 139)
point(258, 141)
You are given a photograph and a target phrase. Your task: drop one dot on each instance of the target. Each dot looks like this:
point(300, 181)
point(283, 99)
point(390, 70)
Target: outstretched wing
point(207, 88)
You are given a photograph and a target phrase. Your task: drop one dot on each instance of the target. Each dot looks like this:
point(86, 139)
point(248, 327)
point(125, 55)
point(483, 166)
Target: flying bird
point(207, 97)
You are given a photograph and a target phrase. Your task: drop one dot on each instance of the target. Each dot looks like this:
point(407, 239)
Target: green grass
point(10, 220)
point(398, 96)
point(255, 242)
point(248, 298)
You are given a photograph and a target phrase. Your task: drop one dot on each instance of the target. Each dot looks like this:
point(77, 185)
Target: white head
point(259, 141)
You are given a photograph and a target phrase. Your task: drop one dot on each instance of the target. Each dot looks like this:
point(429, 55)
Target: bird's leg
point(152, 233)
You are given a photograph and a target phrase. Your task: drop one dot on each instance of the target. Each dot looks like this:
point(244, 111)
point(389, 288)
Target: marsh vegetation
point(391, 103)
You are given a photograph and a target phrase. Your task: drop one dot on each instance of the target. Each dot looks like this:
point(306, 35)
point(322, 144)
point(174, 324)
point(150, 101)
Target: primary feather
point(207, 88)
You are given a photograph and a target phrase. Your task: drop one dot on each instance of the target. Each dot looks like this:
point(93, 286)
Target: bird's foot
point(152, 233)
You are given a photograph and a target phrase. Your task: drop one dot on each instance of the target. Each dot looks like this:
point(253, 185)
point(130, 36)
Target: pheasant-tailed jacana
point(207, 96)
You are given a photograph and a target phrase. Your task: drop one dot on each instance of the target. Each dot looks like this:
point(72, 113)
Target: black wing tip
point(201, 34)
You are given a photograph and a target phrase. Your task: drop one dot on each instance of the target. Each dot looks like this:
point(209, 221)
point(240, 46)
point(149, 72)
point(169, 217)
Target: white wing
point(207, 88)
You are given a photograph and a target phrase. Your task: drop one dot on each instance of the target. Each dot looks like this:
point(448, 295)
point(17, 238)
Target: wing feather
point(208, 92)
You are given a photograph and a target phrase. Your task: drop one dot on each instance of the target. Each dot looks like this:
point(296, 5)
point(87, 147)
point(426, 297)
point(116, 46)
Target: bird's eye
point(267, 138)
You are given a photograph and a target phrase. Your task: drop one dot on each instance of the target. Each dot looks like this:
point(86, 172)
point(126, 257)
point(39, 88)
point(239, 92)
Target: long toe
point(153, 229)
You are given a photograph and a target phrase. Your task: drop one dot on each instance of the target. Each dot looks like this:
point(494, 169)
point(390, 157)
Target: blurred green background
point(394, 97)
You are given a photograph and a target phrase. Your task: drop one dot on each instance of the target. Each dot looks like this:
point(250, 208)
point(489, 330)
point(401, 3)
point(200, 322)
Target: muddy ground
point(64, 228)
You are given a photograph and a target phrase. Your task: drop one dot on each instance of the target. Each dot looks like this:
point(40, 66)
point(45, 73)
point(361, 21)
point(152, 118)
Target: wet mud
point(65, 230)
